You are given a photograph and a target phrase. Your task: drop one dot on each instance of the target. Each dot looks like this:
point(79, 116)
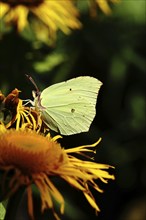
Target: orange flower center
point(28, 141)
point(30, 152)
point(23, 2)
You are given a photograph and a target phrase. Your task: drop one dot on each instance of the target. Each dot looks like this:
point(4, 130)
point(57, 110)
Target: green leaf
point(50, 62)
point(2, 211)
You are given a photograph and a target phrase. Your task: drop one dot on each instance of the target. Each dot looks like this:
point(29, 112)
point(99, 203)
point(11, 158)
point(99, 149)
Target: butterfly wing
point(69, 107)
point(70, 119)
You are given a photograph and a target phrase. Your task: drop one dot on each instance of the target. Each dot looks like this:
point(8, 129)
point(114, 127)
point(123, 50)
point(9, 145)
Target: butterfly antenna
point(33, 82)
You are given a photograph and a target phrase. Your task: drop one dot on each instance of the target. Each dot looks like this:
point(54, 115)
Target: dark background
point(112, 49)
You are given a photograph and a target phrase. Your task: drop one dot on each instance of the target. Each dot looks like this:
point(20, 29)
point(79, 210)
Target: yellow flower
point(34, 159)
point(51, 14)
point(103, 5)
point(14, 114)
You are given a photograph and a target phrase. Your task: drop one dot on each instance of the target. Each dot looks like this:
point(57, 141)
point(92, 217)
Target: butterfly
point(68, 107)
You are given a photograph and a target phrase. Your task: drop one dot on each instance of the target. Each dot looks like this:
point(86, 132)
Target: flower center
point(30, 152)
point(22, 2)
point(25, 141)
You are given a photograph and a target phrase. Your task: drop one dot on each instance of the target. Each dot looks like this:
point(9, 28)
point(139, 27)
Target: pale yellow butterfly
point(68, 107)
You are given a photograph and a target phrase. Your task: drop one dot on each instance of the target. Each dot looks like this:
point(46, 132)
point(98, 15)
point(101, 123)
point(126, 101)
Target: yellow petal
point(3, 9)
point(83, 148)
point(91, 201)
point(73, 182)
point(21, 14)
point(56, 194)
point(104, 6)
point(57, 15)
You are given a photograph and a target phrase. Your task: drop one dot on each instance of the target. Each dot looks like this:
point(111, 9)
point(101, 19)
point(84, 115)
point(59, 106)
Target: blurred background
point(111, 48)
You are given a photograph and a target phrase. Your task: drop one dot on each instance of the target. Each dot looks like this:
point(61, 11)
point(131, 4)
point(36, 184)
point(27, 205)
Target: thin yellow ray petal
point(88, 164)
point(4, 8)
point(54, 20)
point(83, 148)
point(62, 6)
point(30, 202)
point(66, 9)
point(56, 216)
point(91, 201)
point(55, 138)
point(57, 15)
point(71, 171)
point(21, 13)
point(102, 174)
point(56, 194)
point(104, 6)
point(95, 186)
point(43, 16)
point(26, 114)
point(73, 182)
point(18, 121)
point(45, 195)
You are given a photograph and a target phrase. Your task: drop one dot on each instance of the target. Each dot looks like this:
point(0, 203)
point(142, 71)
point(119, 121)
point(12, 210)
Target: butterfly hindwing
point(70, 119)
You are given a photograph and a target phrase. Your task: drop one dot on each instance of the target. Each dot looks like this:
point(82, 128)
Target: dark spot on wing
point(72, 110)
point(70, 89)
